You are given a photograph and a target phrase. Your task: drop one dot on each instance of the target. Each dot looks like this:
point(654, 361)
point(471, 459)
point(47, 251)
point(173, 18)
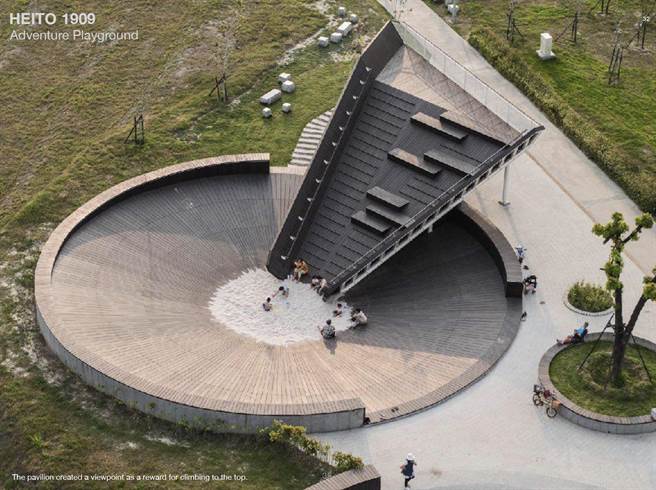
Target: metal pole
point(506, 186)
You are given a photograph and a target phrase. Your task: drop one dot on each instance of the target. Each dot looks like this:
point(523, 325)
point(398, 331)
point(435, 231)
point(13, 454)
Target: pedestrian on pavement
point(521, 253)
point(408, 469)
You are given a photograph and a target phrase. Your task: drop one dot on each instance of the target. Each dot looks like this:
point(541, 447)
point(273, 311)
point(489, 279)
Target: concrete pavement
point(491, 435)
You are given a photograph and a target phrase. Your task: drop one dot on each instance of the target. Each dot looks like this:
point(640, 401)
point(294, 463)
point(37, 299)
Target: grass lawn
point(623, 114)
point(636, 397)
point(66, 109)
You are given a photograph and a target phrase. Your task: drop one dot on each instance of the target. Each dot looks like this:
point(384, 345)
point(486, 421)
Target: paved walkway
point(491, 435)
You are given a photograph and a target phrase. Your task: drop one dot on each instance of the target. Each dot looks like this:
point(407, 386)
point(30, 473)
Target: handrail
point(428, 209)
point(336, 145)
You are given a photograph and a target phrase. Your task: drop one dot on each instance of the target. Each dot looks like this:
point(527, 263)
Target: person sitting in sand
point(267, 305)
point(339, 310)
point(301, 268)
point(327, 331)
point(358, 318)
point(323, 285)
point(283, 291)
point(578, 336)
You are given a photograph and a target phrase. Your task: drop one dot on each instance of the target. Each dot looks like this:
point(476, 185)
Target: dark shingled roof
point(404, 140)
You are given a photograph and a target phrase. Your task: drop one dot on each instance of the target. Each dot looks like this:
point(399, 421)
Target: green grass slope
point(65, 111)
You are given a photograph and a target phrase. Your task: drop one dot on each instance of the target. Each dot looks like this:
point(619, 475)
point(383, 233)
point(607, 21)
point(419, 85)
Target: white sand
point(238, 306)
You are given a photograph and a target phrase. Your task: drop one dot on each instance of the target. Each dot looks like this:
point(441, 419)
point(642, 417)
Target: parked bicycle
point(542, 396)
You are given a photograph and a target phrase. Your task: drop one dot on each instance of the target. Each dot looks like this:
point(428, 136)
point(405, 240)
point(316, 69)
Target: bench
point(447, 160)
point(410, 160)
point(436, 126)
point(372, 223)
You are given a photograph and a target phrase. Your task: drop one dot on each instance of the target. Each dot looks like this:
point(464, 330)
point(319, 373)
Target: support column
point(506, 186)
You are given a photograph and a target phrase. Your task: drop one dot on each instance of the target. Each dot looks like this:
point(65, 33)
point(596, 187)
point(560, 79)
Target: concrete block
point(271, 96)
point(288, 86)
point(283, 77)
point(546, 42)
point(286, 107)
point(336, 37)
point(323, 41)
point(266, 113)
point(345, 28)
point(341, 11)
point(353, 18)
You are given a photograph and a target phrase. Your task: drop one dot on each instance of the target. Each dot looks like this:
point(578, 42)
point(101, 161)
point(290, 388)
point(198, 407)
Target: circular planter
point(586, 418)
point(576, 310)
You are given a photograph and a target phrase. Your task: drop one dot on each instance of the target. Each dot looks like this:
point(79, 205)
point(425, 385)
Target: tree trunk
point(619, 344)
point(619, 349)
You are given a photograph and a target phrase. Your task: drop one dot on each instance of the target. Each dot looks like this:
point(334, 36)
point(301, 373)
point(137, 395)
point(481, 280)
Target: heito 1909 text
point(50, 18)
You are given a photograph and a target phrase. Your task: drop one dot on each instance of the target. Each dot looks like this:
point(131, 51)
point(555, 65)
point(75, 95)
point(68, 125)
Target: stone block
point(336, 38)
point(288, 86)
point(345, 28)
point(271, 96)
point(323, 41)
point(546, 42)
point(341, 11)
point(266, 113)
point(286, 107)
point(353, 18)
point(283, 77)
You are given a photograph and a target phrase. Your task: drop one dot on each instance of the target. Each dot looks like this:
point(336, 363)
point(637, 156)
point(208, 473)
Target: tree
point(226, 45)
point(617, 232)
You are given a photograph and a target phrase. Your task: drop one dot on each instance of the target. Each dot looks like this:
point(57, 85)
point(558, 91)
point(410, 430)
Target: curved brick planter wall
point(317, 417)
point(591, 420)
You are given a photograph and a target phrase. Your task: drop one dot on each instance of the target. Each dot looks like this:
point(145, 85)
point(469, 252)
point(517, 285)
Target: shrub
point(296, 436)
point(587, 137)
point(589, 297)
point(345, 461)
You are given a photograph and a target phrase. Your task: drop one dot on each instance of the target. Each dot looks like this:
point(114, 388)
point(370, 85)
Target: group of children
point(319, 284)
point(282, 291)
point(358, 319)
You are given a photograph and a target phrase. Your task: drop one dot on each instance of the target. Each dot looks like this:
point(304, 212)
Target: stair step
point(304, 151)
point(392, 215)
point(451, 161)
point(402, 156)
point(365, 220)
point(436, 125)
point(386, 197)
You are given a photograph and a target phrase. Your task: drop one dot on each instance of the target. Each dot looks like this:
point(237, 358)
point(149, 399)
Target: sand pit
point(238, 306)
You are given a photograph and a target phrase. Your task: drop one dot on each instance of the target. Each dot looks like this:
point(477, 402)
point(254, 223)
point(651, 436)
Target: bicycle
point(542, 396)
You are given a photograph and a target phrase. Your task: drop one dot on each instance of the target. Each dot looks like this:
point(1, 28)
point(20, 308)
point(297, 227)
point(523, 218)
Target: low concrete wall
point(586, 418)
point(367, 478)
point(317, 417)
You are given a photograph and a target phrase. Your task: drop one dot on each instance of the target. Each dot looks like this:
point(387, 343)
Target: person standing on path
point(408, 469)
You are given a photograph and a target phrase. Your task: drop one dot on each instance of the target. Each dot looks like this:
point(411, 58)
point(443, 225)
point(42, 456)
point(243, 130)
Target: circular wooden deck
point(129, 292)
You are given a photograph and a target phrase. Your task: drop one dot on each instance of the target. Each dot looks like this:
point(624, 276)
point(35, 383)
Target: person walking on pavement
point(408, 469)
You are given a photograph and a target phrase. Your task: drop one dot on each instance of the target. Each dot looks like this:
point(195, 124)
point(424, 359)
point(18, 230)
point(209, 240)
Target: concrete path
point(491, 436)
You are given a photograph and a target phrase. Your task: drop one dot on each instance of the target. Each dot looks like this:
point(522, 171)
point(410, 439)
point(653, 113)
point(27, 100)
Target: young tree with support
point(225, 47)
point(617, 232)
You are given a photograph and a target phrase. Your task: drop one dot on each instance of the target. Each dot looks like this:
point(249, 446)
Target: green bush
point(345, 461)
point(589, 297)
point(296, 436)
point(589, 139)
